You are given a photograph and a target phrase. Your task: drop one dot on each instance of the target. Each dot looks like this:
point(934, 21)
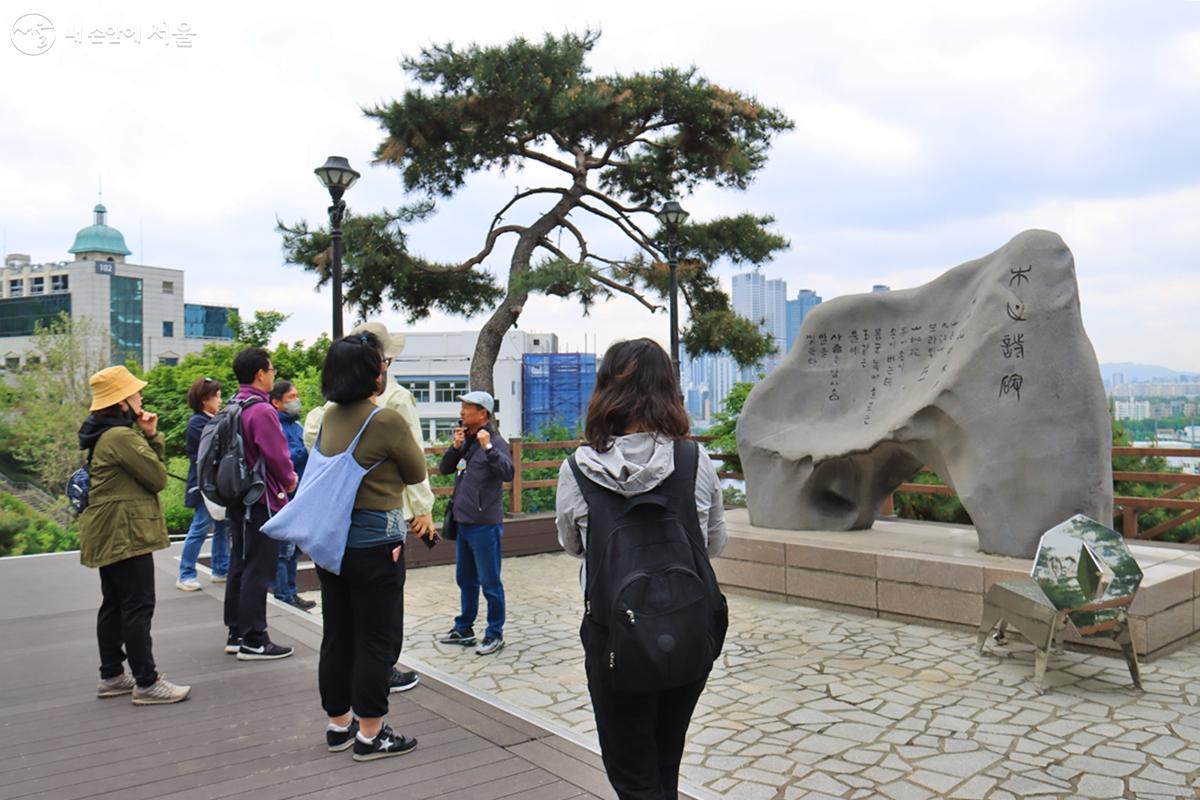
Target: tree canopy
point(605, 153)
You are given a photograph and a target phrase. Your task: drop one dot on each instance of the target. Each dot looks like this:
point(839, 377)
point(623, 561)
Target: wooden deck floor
point(248, 729)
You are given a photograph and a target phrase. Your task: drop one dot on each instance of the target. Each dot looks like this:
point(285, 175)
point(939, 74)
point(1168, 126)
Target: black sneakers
point(465, 638)
point(266, 652)
point(402, 681)
point(232, 644)
point(386, 743)
point(341, 740)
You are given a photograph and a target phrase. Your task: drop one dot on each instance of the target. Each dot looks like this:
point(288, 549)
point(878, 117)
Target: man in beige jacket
point(418, 497)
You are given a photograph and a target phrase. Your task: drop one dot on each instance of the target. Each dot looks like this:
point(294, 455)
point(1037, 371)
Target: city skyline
point(923, 140)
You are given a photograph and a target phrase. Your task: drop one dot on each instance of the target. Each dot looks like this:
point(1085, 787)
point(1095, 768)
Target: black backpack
point(221, 471)
point(654, 616)
point(79, 485)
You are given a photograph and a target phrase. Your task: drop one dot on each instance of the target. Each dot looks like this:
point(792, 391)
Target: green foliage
point(177, 515)
point(24, 531)
point(167, 384)
point(259, 332)
point(42, 407)
point(377, 269)
point(932, 507)
point(1149, 518)
point(725, 429)
point(613, 148)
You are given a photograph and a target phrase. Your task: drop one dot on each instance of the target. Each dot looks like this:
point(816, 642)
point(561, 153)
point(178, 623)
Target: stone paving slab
point(812, 703)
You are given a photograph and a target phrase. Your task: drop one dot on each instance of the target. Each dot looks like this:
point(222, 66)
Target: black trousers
point(642, 736)
point(364, 624)
point(123, 624)
point(251, 574)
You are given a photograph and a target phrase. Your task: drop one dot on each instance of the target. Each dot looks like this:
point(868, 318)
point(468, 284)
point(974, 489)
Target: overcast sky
point(927, 134)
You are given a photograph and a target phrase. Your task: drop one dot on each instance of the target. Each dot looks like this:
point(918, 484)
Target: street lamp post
point(671, 216)
point(337, 176)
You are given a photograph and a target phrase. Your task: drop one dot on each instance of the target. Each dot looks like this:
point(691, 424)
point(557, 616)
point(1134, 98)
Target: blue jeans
point(285, 572)
point(202, 521)
point(477, 556)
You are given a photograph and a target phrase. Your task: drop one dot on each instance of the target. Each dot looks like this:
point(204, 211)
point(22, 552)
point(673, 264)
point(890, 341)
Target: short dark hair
point(636, 387)
point(280, 389)
point(352, 367)
point(247, 363)
point(200, 391)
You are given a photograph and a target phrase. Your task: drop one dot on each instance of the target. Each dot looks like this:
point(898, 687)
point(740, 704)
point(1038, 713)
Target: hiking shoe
point(402, 681)
point(341, 740)
point(189, 585)
point(465, 638)
point(302, 604)
point(160, 692)
point(489, 645)
point(267, 652)
point(386, 743)
point(233, 644)
point(122, 684)
point(219, 578)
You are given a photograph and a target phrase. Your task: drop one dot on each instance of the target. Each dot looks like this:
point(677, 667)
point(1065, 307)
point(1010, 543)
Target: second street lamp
point(337, 176)
point(671, 216)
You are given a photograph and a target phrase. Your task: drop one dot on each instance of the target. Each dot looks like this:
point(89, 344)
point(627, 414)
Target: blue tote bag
point(317, 520)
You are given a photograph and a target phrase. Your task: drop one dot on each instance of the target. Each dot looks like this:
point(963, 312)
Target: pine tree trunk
point(491, 336)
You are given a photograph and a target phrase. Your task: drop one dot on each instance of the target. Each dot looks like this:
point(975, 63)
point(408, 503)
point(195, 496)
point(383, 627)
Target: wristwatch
point(488, 446)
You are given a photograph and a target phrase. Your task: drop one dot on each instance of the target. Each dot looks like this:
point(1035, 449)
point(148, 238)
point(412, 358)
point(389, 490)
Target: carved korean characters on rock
point(985, 374)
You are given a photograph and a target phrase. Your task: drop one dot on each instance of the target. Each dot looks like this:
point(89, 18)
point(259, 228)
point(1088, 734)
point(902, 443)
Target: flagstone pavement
point(813, 703)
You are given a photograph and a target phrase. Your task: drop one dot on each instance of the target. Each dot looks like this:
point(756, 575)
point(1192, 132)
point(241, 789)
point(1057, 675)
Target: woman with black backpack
point(641, 504)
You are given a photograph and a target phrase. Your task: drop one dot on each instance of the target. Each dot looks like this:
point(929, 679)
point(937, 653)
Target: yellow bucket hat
point(111, 385)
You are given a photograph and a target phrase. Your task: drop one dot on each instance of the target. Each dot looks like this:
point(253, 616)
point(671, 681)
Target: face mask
point(292, 407)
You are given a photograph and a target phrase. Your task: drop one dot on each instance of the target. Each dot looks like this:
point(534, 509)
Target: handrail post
point(1129, 522)
point(518, 479)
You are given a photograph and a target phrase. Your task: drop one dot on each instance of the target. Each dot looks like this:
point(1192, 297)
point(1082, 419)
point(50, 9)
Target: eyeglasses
point(209, 380)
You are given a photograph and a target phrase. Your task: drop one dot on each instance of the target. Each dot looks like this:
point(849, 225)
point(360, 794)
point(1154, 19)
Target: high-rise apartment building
point(806, 300)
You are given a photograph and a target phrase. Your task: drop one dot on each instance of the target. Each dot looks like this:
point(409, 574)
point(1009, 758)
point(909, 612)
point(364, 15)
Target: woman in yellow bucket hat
point(120, 529)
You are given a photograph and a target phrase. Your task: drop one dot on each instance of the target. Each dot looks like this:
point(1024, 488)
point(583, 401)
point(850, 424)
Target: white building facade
point(436, 368)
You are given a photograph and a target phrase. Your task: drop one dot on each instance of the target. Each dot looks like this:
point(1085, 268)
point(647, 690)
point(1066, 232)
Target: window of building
point(168, 287)
point(418, 386)
point(37, 286)
point(125, 319)
point(168, 329)
point(20, 316)
point(168, 361)
point(33, 361)
point(16, 287)
point(443, 429)
point(206, 322)
point(12, 363)
point(60, 283)
point(449, 391)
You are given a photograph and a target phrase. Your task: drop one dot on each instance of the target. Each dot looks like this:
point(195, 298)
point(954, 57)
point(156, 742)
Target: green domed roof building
point(99, 240)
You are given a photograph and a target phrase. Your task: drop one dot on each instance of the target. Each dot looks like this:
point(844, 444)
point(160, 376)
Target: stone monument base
point(934, 572)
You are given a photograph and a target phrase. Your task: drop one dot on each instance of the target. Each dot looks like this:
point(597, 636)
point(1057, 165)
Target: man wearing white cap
point(480, 461)
point(417, 497)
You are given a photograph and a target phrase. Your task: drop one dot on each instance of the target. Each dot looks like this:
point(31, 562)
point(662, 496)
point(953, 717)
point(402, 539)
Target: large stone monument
point(984, 374)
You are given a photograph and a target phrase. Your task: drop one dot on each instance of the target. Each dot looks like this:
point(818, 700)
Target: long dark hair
point(636, 387)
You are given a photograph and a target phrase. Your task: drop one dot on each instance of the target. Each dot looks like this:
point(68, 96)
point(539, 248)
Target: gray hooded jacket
point(636, 463)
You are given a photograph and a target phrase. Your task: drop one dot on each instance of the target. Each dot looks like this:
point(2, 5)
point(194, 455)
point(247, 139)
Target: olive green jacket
point(123, 518)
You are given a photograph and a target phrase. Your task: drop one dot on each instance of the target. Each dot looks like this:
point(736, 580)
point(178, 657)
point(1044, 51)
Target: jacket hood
point(94, 426)
point(636, 463)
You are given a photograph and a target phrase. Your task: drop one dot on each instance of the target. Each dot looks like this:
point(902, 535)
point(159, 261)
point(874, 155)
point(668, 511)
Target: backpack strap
point(350, 448)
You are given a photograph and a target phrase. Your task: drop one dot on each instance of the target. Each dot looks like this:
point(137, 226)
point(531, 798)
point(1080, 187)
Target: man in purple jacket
point(252, 565)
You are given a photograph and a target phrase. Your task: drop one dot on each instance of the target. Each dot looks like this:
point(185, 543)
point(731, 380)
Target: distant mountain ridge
point(1140, 372)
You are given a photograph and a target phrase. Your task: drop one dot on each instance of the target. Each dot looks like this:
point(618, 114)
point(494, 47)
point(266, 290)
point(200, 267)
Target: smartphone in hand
point(430, 541)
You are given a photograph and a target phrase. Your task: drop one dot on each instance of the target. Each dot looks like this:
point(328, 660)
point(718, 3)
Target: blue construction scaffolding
point(556, 388)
